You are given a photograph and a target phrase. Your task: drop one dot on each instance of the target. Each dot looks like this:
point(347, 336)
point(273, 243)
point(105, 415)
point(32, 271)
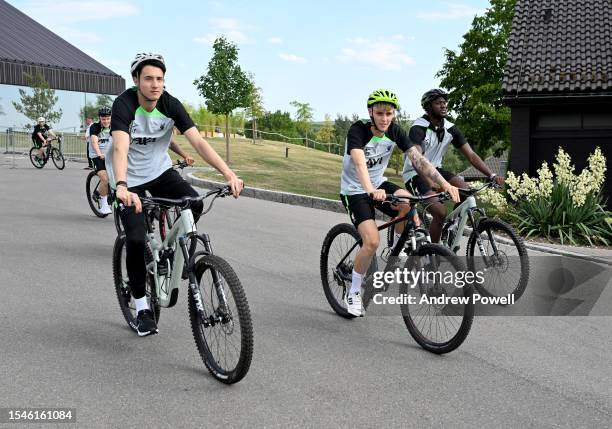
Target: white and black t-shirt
point(104, 138)
point(150, 134)
point(377, 152)
point(434, 142)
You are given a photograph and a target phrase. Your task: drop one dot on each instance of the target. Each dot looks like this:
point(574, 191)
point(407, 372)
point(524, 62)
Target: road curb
point(336, 206)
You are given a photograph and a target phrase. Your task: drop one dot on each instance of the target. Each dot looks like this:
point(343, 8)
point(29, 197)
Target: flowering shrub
point(569, 208)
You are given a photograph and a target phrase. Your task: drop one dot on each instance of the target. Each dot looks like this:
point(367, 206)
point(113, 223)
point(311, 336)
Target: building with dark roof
point(497, 164)
point(558, 82)
point(26, 46)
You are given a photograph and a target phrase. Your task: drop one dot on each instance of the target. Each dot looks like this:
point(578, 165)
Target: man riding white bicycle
point(369, 145)
point(143, 118)
point(433, 133)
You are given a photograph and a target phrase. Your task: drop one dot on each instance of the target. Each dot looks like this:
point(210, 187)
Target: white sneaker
point(105, 209)
point(353, 304)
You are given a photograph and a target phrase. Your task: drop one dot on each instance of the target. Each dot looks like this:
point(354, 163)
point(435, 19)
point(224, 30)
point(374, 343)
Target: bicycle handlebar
point(186, 202)
point(394, 199)
point(180, 164)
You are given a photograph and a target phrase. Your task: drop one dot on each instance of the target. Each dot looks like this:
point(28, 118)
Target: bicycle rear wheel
point(92, 190)
point(122, 285)
point(58, 158)
point(437, 327)
point(502, 258)
point(223, 332)
point(36, 162)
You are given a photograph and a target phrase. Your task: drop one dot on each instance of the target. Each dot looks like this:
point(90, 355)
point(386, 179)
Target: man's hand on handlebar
point(378, 195)
point(129, 198)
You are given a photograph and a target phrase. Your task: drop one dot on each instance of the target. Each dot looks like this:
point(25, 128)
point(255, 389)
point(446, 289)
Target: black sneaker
point(146, 324)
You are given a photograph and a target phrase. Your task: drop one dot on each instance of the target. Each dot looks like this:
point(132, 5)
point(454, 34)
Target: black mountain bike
point(50, 152)
point(437, 328)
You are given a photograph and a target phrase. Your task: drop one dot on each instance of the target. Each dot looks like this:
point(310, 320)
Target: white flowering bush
point(567, 207)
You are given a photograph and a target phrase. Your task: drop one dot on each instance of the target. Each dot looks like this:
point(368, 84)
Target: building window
point(555, 121)
point(597, 121)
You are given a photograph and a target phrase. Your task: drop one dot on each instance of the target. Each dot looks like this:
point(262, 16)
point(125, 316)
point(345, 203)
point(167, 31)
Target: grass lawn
point(305, 171)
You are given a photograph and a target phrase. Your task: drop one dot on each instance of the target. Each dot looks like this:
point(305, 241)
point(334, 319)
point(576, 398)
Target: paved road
point(64, 342)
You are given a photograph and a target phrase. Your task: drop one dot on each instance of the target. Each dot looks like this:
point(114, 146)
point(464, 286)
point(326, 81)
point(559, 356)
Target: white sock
point(356, 283)
point(104, 200)
point(396, 237)
point(141, 304)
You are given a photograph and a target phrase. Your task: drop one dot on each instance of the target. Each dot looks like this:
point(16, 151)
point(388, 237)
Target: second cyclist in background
point(99, 141)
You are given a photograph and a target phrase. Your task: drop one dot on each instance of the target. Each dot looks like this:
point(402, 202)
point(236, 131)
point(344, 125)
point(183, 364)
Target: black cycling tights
point(169, 185)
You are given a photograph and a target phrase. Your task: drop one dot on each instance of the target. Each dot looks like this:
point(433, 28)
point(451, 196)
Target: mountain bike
point(218, 309)
point(50, 152)
point(437, 328)
point(493, 246)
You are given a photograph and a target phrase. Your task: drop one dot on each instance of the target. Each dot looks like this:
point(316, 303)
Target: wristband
point(120, 183)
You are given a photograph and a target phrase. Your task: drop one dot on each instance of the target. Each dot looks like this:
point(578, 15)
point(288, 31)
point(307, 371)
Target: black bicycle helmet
point(431, 95)
point(104, 111)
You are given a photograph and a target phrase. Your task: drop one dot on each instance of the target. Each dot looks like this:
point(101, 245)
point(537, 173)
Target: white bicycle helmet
point(148, 58)
point(41, 119)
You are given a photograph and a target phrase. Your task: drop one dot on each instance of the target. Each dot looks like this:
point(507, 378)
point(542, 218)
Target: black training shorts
point(361, 207)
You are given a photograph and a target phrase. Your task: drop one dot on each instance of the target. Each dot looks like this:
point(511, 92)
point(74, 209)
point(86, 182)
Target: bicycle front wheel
point(92, 191)
point(440, 315)
point(495, 249)
point(335, 277)
point(58, 158)
point(223, 331)
point(36, 162)
point(122, 285)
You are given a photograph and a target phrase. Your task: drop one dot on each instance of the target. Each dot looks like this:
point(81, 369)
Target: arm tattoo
point(424, 167)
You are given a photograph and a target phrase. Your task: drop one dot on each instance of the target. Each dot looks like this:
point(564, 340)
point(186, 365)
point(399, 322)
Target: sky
point(330, 54)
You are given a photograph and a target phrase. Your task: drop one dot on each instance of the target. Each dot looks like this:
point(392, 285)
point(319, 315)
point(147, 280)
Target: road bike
point(436, 328)
point(218, 309)
point(50, 152)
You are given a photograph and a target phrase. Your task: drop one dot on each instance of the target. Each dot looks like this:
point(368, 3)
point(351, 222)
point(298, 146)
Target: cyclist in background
point(40, 136)
point(99, 141)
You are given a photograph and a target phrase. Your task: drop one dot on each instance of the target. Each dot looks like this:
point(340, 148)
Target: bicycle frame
point(167, 285)
point(463, 212)
point(408, 233)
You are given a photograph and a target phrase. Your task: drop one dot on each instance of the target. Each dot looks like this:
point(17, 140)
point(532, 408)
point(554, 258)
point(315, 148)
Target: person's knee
point(438, 212)
point(135, 240)
point(371, 243)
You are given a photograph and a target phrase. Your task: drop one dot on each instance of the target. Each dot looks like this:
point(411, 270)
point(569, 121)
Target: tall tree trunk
point(227, 151)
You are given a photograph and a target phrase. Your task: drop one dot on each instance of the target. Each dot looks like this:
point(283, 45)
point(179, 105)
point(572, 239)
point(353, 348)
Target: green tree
point(225, 86)
point(303, 117)
point(41, 102)
point(278, 123)
point(256, 108)
point(327, 132)
point(474, 78)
